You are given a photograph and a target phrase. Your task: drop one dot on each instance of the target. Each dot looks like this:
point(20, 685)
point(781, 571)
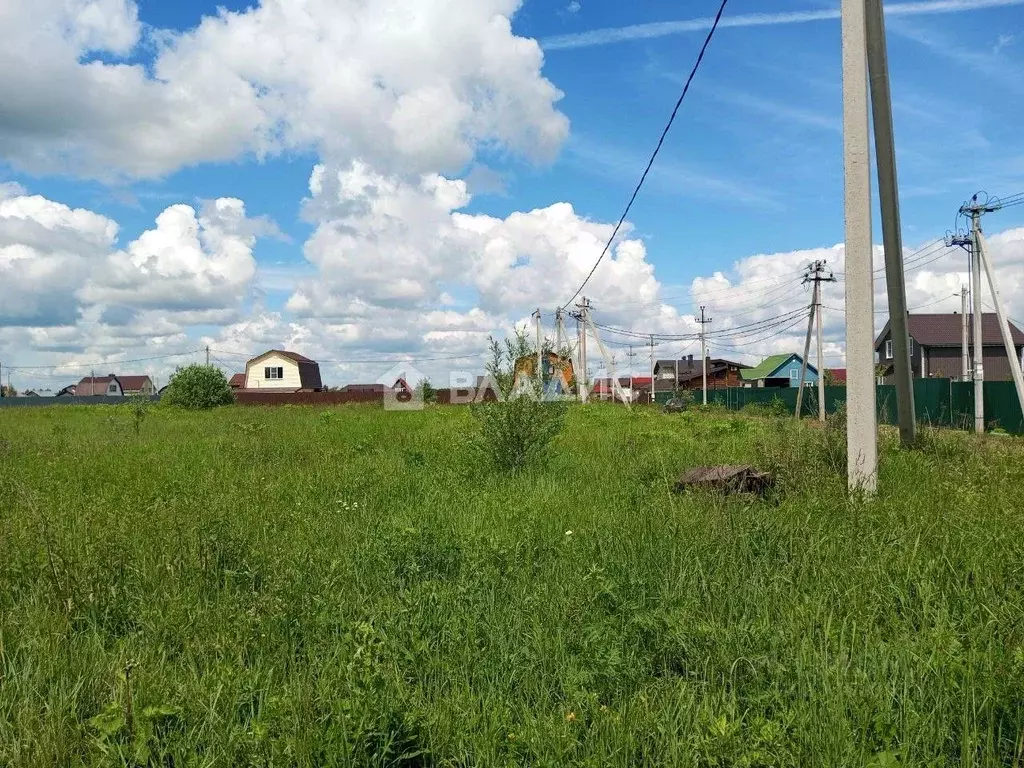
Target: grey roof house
point(936, 346)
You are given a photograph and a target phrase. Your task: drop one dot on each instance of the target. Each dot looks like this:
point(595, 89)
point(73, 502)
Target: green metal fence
point(940, 402)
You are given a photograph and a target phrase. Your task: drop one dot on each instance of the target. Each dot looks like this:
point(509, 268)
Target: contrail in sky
point(664, 28)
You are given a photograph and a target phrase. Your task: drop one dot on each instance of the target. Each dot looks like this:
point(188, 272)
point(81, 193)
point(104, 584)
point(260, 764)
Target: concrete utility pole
point(979, 343)
point(862, 420)
point(652, 368)
point(807, 352)
point(579, 356)
point(965, 358)
point(630, 355)
point(704, 351)
point(815, 274)
point(821, 361)
point(540, 354)
point(970, 244)
point(892, 238)
point(584, 316)
point(1004, 324)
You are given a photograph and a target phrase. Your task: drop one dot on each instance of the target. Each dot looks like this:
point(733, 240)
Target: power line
point(739, 347)
point(100, 364)
point(373, 361)
point(912, 309)
point(738, 330)
point(705, 294)
point(654, 155)
point(921, 253)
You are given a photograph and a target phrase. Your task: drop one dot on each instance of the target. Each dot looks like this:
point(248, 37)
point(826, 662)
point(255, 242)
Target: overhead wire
point(654, 155)
point(356, 361)
point(911, 309)
point(99, 364)
point(719, 333)
point(703, 294)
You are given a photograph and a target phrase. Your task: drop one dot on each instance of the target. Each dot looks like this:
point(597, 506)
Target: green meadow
point(308, 587)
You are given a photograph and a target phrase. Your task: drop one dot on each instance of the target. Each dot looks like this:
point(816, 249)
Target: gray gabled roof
point(945, 330)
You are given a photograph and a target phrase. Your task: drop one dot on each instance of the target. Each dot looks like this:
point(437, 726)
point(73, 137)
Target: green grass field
point(296, 587)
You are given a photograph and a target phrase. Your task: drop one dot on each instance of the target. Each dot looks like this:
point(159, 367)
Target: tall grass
point(281, 587)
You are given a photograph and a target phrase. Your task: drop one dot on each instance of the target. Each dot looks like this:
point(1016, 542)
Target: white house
point(280, 371)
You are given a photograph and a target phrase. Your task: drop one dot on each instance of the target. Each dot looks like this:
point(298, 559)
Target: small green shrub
point(516, 432)
point(197, 387)
point(139, 406)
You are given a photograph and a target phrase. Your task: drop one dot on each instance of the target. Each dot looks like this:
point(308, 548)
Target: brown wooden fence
point(307, 398)
point(442, 397)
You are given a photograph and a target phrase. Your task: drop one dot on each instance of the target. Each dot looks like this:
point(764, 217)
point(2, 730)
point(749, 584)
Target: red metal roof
point(283, 353)
point(92, 385)
point(839, 374)
point(134, 383)
point(237, 381)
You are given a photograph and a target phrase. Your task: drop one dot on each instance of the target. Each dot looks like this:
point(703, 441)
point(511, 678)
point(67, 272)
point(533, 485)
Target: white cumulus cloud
point(411, 85)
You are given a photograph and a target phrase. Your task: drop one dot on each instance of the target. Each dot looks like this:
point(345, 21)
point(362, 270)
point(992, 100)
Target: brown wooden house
point(670, 375)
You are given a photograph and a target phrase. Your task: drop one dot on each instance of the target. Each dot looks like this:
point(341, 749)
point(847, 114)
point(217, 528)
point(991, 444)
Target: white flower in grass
point(568, 533)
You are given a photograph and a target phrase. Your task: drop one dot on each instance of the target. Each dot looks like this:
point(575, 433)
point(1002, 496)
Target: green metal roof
point(765, 367)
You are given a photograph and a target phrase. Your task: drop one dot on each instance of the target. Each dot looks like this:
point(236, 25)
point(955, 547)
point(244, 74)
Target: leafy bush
point(428, 391)
point(197, 387)
point(516, 432)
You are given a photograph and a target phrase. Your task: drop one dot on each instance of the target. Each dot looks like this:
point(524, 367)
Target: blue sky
point(752, 166)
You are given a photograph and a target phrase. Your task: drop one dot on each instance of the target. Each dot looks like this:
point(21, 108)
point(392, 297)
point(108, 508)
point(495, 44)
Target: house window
point(273, 373)
point(113, 388)
point(888, 347)
point(794, 374)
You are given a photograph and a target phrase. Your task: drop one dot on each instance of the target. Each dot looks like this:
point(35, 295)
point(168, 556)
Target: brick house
point(936, 347)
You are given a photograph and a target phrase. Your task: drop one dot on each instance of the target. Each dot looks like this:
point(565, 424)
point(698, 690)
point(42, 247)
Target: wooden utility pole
point(703, 352)
point(862, 419)
point(207, 355)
